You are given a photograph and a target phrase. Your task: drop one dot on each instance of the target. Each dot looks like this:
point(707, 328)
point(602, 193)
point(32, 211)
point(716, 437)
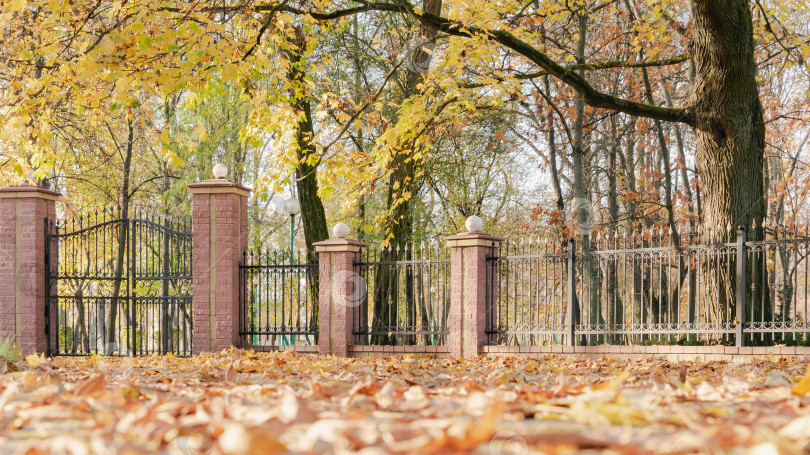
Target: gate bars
point(121, 284)
point(278, 299)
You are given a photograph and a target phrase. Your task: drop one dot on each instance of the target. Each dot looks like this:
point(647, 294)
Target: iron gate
point(118, 285)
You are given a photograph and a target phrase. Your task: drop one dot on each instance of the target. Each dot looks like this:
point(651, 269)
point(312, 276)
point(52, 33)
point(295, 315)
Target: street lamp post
point(292, 207)
point(255, 326)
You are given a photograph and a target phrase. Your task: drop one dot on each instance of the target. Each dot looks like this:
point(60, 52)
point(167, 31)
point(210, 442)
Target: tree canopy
point(405, 117)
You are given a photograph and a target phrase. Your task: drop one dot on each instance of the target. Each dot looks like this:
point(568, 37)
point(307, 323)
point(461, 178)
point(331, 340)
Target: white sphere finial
point(340, 231)
point(220, 171)
point(474, 224)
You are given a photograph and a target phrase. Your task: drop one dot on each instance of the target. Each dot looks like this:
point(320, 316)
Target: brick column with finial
point(219, 239)
point(23, 319)
point(468, 287)
point(340, 291)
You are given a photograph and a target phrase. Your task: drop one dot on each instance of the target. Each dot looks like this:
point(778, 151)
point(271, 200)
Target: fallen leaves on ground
point(266, 403)
point(803, 386)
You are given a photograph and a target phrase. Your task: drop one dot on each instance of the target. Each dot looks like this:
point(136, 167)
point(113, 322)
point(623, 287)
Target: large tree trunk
point(729, 129)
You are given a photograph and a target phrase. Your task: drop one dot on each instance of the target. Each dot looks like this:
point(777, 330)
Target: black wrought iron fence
point(402, 296)
point(278, 299)
point(526, 294)
point(647, 287)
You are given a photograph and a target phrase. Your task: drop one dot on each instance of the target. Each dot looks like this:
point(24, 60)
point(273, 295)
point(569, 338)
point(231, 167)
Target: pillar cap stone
point(30, 191)
point(339, 245)
point(213, 186)
point(471, 239)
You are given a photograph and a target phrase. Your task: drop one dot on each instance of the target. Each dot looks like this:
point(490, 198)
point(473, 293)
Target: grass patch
point(8, 351)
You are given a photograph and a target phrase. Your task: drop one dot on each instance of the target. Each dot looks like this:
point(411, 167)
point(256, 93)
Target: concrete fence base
point(672, 353)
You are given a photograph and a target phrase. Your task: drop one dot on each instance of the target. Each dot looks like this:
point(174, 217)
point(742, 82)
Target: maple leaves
point(244, 402)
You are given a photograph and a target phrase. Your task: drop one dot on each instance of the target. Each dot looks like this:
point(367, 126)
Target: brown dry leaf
point(236, 440)
point(90, 386)
point(386, 396)
point(230, 375)
point(480, 431)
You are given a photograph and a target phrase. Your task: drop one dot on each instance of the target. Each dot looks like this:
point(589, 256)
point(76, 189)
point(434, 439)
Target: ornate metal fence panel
point(777, 309)
point(636, 290)
point(402, 296)
point(278, 300)
point(527, 297)
point(120, 285)
point(648, 287)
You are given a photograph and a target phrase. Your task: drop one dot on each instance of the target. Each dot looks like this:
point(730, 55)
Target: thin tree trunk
point(584, 211)
point(401, 188)
point(552, 144)
point(123, 236)
point(313, 215)
point(614, 304)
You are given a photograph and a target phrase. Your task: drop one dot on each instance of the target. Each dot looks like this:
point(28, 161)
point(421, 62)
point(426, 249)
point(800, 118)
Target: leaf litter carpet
point(238, 401)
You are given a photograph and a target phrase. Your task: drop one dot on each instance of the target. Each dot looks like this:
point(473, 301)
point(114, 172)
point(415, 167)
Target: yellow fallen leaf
point(803, 386)
point(614, 383)
point(35, 359)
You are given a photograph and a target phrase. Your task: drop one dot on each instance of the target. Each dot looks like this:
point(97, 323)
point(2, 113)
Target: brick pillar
point(467, 317)
point(23, 210)
point(219, 239)
point(337, 292)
